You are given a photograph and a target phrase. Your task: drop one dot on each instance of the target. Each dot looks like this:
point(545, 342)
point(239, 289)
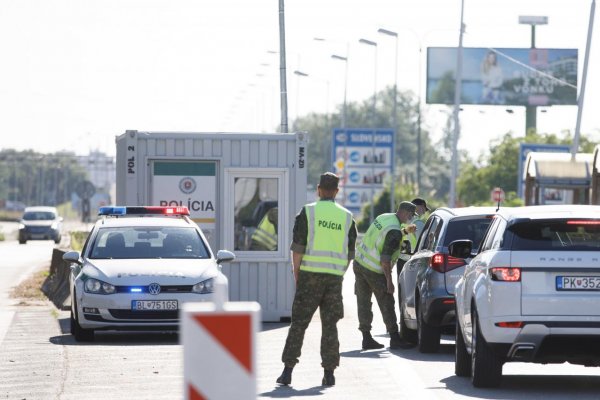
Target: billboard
point(363, 166)
point(503, 76)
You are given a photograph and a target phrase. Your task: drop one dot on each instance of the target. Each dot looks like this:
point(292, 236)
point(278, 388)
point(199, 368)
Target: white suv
point(531, 294)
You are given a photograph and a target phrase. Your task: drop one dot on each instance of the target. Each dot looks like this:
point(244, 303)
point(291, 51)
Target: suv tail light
point(506, 274)
point(441, 262)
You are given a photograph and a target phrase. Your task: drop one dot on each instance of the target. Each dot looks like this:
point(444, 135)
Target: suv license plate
point(153, 305)
point(578, 283)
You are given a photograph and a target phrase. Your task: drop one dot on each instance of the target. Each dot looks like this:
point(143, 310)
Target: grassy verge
point(29, 292)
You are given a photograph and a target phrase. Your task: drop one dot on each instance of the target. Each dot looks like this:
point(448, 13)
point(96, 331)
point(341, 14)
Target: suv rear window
point(472, 229)
point(562, 235)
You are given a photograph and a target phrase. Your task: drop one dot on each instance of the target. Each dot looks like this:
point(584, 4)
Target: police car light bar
point(114, 211)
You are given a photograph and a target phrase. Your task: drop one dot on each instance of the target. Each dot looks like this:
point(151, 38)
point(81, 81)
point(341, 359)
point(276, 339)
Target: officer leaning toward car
point(324, 238)
point(375, 257)
point(412, 231)
point(423, 213)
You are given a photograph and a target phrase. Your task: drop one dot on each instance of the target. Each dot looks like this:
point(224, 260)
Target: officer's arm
point(390, 245)
point(298, 247)
point(352, 241)
point(296, 261)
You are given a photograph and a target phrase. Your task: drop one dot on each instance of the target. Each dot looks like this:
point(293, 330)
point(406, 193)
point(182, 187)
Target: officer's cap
point(420, 202)
point(329, 181)
point(408, 206)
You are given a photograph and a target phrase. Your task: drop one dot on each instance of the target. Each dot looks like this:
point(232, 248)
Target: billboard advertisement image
point(503, 76)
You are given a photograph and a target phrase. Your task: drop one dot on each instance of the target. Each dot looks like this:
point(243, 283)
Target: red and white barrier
point(219, 350)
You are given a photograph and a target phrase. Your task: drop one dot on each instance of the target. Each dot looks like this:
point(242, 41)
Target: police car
point(137, 268)
point(532, 292)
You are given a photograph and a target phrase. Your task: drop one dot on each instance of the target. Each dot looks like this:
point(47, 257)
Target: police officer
point(265, 235)
point(375, 257)
point(422, 214)
point(322, 248)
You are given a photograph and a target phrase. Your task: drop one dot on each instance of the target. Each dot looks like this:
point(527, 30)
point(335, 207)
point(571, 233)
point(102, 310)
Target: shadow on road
point(117, 338)
point(383, 353)
point(521, 387)
point(270, 326)
point(288, 391)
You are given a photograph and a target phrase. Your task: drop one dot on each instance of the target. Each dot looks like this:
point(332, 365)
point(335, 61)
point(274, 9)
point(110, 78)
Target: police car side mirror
point(72, 257)
point(224, 256)
point(460, 248)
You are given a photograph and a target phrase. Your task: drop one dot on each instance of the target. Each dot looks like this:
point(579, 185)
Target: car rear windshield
point(557, 234)
point(148, 242)
point(472, 229)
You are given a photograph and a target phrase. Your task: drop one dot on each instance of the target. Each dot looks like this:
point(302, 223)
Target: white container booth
point(243, 190)
point(556, 178)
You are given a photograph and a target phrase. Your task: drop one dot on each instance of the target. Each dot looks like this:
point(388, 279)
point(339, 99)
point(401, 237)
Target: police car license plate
point(153, 305)
point(578, 283)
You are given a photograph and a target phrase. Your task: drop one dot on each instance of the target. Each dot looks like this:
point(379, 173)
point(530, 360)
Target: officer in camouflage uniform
point(375, 256)
point(322, 248)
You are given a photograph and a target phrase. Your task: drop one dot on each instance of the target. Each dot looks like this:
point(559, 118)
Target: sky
point(77, 73)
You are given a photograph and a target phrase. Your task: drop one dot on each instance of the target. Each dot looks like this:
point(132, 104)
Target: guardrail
point(56, 285)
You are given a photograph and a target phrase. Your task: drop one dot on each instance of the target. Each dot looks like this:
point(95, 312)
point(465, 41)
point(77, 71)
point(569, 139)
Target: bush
point(78, 239)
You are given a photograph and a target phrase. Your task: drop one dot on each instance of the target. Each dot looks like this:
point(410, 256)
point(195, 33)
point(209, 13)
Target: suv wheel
point(429, 336)
point(486, 366)
point(408, 334)
point(80, 334)
point(462, 360)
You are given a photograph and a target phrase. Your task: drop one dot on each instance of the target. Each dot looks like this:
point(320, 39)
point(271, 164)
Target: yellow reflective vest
point(368, 252)
point(265, 234)
point(327, 240)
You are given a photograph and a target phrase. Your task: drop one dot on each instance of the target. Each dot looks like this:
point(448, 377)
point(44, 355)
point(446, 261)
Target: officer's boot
point(286, 376)
point(369, 343)
point(398, 342)
point(328, 378)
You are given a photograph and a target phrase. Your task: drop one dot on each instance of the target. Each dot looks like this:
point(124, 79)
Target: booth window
point(256, 214)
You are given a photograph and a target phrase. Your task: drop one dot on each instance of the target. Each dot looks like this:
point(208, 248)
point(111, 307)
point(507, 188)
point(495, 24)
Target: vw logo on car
point(154, 288)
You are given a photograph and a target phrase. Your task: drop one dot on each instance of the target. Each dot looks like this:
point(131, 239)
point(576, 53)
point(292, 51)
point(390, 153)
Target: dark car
point(426, 283)
point(40, 223)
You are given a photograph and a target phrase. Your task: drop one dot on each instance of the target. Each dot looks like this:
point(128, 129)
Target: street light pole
point(394, 117)
point(282, 69)
point(457, 92)
point(588, 44)
point(374, 123)
point(343, 119)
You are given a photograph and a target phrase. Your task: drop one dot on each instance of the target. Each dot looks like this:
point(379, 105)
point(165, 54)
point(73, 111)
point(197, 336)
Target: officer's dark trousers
point(368, 283)
point(325, 292)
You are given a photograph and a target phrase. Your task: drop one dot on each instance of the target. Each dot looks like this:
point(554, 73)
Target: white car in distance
point(137, 268)
point(531, 294)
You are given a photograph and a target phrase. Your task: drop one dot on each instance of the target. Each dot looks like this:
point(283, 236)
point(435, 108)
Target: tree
point(500, 168)
point(359, 115)
point(33, 178)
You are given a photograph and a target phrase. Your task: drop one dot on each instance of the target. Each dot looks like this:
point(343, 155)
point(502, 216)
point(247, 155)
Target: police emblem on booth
point(187, 185)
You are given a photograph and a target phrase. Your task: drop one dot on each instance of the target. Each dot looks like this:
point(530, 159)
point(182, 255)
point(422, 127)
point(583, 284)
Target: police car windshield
point(148, 242)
